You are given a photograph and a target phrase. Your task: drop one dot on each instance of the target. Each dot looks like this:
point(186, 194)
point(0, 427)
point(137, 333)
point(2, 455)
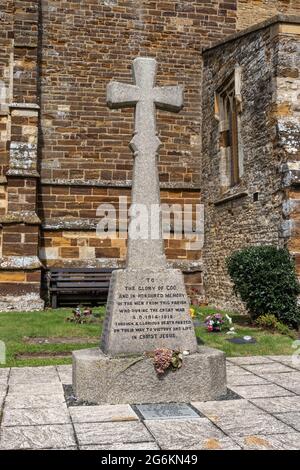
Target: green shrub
point(270, 322)
point(265, 278)
point(267, 321)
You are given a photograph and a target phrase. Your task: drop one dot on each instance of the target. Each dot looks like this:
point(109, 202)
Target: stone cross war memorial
point(147, 307)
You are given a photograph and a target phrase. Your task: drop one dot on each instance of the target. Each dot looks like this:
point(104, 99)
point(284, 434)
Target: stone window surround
point(228, 90)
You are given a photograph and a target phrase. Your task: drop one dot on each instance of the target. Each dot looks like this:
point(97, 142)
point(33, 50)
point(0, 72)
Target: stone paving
point(266, 416)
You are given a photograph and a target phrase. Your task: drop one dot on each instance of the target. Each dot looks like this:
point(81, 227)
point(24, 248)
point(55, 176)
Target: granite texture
point(109, 433)
point(101, 414)
point(36, 416)
point(15, 401)
point(105, 380)
point(278, 404)
point(260, 391)
point(189, 434)
point(147, 309)
point(37, 437)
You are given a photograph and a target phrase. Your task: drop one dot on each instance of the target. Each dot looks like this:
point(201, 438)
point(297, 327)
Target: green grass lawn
point(16, 327)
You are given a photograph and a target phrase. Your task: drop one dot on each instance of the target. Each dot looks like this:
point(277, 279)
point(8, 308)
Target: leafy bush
point(265, 278)
point(267, 321)
point(270, 322)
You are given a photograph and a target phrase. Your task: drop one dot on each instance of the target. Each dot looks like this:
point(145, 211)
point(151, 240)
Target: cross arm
point(169, 97)
point(121, 94)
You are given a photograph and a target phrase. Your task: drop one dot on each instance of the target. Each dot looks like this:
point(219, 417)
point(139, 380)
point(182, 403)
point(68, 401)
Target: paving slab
point(292, 361)
point(123, 446)
point(35, 388)
point(15, 401)
point(262, 369)
point(260, 391)
point(37, 437)
point(65, 374)
point(249, 360)
point(189, 434)
point(105, 413)
point(236, 370)
point(230, 407)
point(290, 441)
point(240, 417)
point(250, 379)
point(292, 419)
point(36, 416)
point(111, 433)
point(28, 375)
point(2, 398)
point(3, 389)
point(289, 380)
point(278, 404)
point(4, 376)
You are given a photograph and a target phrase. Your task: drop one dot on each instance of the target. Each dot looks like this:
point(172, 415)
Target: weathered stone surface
point(288, 380)
point(111, 433)
point(260, 391)
point(290, 361)
point(30, 302)
point(245, 380)
point(99, 414)
point(99, 378)
point(65, 374)
point(147, 309)
point(239, 417)
point(188, 434)
point(292, 419)
point(246, 360)
point(260, 206)
point(30, 375)
point(235, 370)
point(15, 401)
point(36, 416)
point(4, 373)
point(37, 437)
point(262, 369)
point(42, 388)
point(278, 404)
point(289, 441)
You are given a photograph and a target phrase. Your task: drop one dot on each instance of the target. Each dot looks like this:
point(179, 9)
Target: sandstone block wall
point(256, 210)
point(250, 12)
point(63, 152)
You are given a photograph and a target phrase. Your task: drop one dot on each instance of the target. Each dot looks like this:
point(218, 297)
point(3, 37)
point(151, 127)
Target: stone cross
point(145, 96)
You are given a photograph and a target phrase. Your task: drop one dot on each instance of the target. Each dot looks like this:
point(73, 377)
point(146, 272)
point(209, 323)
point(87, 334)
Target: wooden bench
point(73, 286)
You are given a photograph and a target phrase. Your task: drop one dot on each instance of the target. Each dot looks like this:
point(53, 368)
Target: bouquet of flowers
point(214, 322)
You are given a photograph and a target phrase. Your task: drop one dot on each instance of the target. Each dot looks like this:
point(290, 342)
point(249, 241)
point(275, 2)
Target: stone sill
point(90, 225)
point(231, 197)
point(19, 263)
point(29, 218)
point(117, 184)
point(186, 266)
point(24, 105)
point(23, 173)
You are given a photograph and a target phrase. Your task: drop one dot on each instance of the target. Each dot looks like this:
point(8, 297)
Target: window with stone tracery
point(228, 106)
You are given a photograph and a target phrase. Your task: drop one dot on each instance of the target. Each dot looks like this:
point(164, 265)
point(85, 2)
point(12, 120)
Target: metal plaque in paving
point(166, 411)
